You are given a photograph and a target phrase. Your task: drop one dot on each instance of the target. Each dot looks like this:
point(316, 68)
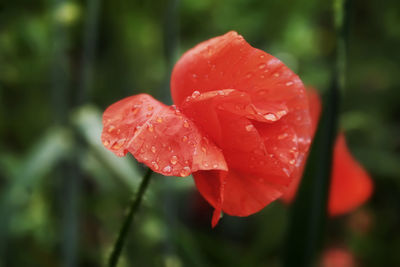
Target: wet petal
point(229, 62)
point(315, 110)
point(259, 167)
point(159, 136)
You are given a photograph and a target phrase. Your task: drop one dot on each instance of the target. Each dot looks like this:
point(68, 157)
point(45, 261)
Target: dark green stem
point(133, 208)
point(308, 214)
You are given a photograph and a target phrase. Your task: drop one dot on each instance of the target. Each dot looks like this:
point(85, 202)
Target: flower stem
point(133, 208)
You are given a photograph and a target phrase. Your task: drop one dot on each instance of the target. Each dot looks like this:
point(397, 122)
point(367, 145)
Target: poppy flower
point(350, 183)
point(240, 125)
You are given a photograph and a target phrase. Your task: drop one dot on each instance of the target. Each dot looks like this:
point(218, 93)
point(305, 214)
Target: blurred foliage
point(63, 196)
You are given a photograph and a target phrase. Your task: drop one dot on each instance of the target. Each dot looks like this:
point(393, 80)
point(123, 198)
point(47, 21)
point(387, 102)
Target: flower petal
point(159, 136)
point(259, 167)
point(229, 62)
point(351, 185)
point(315, 110)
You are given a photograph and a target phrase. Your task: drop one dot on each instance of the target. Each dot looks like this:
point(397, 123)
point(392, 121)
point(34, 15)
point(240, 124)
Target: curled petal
point(159, 136)
point(259, 166)
point(229, 62)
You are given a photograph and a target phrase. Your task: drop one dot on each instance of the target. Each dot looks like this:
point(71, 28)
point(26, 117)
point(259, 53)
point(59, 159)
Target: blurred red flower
point(241, 125)
point(337, 257)
point(350, 184)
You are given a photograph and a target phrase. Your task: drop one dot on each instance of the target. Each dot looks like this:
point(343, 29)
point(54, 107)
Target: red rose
point(241, 125)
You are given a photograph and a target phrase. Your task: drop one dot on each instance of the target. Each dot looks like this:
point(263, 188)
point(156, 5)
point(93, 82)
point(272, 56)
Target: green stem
point(133, 208)
point(308, 214)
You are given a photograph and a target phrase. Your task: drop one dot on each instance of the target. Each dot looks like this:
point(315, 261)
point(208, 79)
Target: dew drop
point(185, 171)
point(159, 120)
point(248, 76)
point(286, 171)
point(249, 127)
point(292, 161)
point(177, 112)
point(203, 149)
point(148, 114)
point(195, 94)
point(155, 165)
point(106, 142)
point(117, 145)
point(174, 160)
point(184, 138)
point(270, 117)
point(150, 108)
point(205, 164)
point(282, 136)
point(276, 74)
point(135, 109)
point(262, 56)
point(289, 83)
point(194, 75)
point(261, 66)
point(111, 128)
point(150, 128)
point(185, 124)
point(167, 169)
point(262, 76)
point(215, 166)
point(153, 149)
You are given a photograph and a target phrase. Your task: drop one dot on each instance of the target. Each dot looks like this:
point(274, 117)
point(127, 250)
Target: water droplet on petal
point(184, 138)
point(261, 66)
point(289, 83)
point(159, 120)
point(167, 169)
point(106, 142)
point(150, 128)
point(249, 127)
point(292, 161)
point(194, 75)
point(270, 117)
point(205, 164)
point(286, 171)
point(111, 128)
point(248, 75)
point(185, 171)
point(150, 108)
point(215, 166)
point(117, 145)
point(195, 94)
point(155, 165)
point(174, 160)
point(153, 149)
point(262, 56)
point(276, 74)
point(203, 149)
point(282, 136)
point(185, 124)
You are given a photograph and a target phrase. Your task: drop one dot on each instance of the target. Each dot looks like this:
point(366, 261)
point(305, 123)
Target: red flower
point(350, 183)
point(241, 125)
